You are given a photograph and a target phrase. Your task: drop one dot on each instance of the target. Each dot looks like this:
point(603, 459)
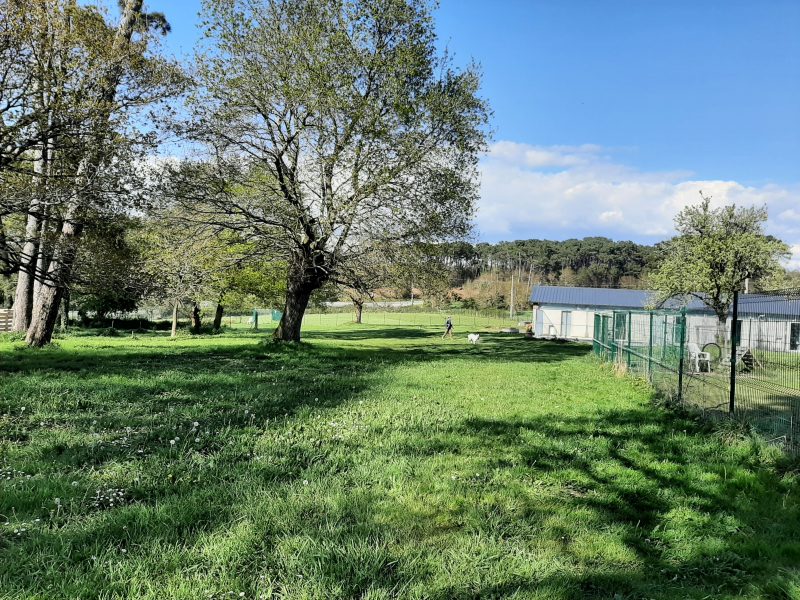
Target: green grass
point(372, 462)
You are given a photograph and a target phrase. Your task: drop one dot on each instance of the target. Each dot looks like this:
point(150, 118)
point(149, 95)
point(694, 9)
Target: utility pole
point(512, 295)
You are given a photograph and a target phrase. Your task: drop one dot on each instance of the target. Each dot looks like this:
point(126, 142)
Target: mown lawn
point(372, 462)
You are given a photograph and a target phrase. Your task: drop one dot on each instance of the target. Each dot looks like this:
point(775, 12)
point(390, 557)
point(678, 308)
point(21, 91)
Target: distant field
point(463, 321)
point(374, 461)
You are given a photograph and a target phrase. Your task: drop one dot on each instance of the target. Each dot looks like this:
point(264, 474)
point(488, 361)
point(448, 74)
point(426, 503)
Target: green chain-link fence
point(693, 359)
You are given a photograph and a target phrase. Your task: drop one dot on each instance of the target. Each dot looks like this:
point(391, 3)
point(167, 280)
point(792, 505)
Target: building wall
point(548, 322)
point(774, 335)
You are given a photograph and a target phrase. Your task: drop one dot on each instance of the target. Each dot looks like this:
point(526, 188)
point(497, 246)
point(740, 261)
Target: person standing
point(448, 328)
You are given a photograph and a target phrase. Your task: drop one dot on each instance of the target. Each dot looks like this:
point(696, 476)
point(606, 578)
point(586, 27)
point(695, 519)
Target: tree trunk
point(174, 320)
point(297, 296)
point(41, 257)
point(218, 316)
point(65, 311)
point(23, 298)
point(45, 309)
point(359, 308)
point(196, 322)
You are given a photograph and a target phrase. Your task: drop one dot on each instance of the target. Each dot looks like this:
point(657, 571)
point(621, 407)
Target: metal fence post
point(628, 352)
point(682, 338)
point(650, 350)
point(614, 337)
point(734, 318)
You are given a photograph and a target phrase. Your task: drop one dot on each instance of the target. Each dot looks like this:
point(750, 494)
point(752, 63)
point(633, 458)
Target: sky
point(611, 116)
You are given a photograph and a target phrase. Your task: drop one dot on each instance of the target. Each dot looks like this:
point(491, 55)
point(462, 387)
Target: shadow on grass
point(702, 521)
point(142, 393)
point(699, 518)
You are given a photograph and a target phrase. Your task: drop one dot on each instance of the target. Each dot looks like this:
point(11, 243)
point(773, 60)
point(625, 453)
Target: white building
point(765, 322)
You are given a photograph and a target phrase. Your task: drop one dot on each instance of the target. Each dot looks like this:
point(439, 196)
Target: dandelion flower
point(172, 442)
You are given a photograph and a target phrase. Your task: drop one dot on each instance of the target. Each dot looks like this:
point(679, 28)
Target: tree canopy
point(335, 128)
point(715, 251)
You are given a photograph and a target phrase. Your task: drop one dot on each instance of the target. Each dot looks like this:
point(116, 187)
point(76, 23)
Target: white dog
point(473, 338)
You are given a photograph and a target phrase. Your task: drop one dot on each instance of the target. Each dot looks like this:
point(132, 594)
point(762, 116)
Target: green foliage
point(108, 274)
point(715, 251)
point(372, 462)
point(334, 130)
point(253, 283)
point(591, 261)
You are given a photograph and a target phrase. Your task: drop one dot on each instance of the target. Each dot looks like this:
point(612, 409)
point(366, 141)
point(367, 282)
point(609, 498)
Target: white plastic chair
point(697, 357)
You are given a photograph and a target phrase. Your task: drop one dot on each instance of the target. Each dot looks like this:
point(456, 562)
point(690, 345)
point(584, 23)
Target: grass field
point(372, 462)
point(462, 319)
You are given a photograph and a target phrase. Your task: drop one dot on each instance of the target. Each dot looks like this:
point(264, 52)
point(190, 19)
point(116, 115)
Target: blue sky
point(609, 116)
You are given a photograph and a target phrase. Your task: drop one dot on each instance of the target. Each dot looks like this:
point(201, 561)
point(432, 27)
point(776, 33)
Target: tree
point(91, 79)
point(108, 275)
point(177, 260)
point(335, 128)
point(247, 281)
point(715, 251)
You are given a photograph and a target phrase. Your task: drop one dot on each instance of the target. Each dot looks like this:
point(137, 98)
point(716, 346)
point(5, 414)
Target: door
point(539, 321)
point(794, 336)
point(566, 322)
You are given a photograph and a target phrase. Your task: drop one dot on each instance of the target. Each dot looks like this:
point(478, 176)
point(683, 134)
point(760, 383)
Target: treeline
point(591, 261)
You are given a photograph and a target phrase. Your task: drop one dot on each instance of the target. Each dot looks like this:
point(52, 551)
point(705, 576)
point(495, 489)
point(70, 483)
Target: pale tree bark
point(23, 297)
point(30, 269)
point(45, 309)
point(174, 320)
point(42, 255)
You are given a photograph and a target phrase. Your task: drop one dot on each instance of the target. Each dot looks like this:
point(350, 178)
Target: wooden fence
point(6, 316)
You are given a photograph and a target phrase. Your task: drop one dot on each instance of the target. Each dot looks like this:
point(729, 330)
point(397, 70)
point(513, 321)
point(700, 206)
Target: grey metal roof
point(782, 306)
point(605, 298)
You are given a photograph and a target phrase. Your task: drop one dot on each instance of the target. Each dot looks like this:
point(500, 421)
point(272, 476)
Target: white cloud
point(573, 191)
point(794, 261)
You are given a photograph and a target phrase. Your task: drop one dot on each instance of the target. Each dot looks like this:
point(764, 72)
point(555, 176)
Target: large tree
point(342, 128)
point(715, 251)
point(92, 82)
